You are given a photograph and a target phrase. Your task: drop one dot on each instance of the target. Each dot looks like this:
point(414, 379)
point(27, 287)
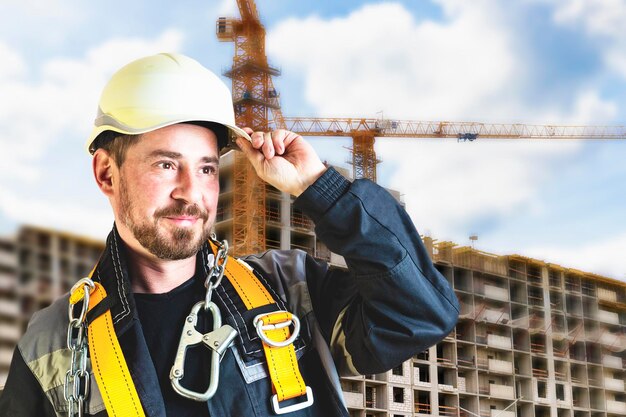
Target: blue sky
point(526, 61)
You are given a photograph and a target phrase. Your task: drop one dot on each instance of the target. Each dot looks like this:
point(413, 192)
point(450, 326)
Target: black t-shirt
point(162, 318)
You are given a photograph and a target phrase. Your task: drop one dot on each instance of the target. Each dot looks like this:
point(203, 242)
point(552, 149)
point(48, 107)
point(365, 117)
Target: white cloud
point(35, 115)
point(469, 65)
point(448, 185)
point(43, 24)
point(12, 63)
point(599, 17)
point(379, 58)
point(58, 214)
point(228, 8)
point(616, 58)
point(603, 19)
point(603, 257)
point(50, 112)
point(590, 108)
point(58, 9)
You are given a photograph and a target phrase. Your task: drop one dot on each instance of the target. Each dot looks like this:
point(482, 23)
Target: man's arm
point(392, 303)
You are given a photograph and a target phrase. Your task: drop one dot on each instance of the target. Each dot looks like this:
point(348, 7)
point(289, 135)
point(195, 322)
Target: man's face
point(168, 190)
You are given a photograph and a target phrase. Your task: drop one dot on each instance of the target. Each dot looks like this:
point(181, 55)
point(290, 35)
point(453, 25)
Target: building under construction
point(533, 339)
point(37, 266)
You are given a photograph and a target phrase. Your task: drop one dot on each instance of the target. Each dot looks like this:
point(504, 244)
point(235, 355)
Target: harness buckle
point(218, 340)
point(293, 407)
point(261, 328)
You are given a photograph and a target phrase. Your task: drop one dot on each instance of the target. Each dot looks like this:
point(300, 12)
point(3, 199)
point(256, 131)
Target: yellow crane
point(257, 106)
point(256, 103)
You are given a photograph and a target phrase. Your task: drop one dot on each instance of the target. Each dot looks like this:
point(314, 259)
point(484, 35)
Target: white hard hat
point(162, 90)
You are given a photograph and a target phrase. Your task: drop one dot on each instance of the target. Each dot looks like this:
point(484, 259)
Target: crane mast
point(256, 106)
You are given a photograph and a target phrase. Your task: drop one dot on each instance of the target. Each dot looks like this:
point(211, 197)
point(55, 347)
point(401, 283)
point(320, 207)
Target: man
point(161, 124)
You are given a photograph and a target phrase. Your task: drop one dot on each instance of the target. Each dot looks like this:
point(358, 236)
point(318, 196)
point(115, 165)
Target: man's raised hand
point(282, 159)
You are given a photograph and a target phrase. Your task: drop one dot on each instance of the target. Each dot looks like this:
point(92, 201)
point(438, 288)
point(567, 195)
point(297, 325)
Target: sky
point(508, 61)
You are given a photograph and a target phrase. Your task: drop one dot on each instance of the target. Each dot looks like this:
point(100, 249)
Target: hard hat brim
point(113, 125)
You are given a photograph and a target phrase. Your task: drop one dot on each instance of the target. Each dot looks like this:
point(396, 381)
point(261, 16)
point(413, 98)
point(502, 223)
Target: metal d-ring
point(261, 328)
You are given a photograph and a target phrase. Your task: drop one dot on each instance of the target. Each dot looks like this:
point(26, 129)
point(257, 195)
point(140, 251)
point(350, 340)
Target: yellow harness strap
point(112, 374)
point(108, 363)
point(284, 373)
point(282, 361)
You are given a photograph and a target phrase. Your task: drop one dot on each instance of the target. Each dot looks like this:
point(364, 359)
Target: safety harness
point(273, 326)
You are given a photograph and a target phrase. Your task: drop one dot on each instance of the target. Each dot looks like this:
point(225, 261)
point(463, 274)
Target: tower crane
point(257, 105)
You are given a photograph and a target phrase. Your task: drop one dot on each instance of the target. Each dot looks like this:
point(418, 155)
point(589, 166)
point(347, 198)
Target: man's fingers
point(268, 145)
point(271, 143)
point(278, 138)
point(261, 141)
point(257, 140)
point(290, 138)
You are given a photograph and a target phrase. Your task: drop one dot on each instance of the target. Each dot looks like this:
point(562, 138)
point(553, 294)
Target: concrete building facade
point(533, 340)
point(10, 312)
point(36, 267)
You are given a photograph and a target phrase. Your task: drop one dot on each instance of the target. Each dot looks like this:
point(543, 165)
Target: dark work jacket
point(390, 304)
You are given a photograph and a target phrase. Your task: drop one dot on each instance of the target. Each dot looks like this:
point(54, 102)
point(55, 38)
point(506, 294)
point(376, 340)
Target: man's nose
point(188, 187)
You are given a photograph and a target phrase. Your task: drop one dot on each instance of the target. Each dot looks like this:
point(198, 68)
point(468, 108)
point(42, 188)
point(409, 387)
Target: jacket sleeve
point(391, 303)
point(22, 395)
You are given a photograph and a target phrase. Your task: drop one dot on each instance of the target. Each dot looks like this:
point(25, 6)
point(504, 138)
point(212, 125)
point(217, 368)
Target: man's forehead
point(159, 153)
point(181, 141)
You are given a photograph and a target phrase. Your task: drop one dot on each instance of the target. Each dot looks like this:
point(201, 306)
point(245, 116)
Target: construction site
point(534, 339)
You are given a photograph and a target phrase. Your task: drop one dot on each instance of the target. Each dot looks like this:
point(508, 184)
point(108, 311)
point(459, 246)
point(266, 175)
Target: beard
point(173, 244)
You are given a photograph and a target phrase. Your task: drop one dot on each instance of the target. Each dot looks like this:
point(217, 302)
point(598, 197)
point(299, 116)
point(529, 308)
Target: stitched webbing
point(282, 363)
point(109, 366)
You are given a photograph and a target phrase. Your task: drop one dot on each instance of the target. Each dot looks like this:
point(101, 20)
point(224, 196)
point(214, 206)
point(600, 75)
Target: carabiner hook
point(217, 340)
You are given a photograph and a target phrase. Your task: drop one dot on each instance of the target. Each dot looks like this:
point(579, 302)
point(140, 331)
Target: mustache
point(183, 210)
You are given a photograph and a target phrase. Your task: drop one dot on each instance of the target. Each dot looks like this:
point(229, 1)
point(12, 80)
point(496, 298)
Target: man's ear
point(103, 166)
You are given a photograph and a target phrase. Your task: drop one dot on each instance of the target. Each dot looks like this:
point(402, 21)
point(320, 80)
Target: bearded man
point(271, 332)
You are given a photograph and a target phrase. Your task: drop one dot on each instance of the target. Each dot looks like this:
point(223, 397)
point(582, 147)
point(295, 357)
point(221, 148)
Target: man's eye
point(209, 170)
point(165, 165)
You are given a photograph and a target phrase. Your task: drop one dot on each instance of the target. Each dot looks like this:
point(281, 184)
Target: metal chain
point(76, 386)
point(214, 278)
